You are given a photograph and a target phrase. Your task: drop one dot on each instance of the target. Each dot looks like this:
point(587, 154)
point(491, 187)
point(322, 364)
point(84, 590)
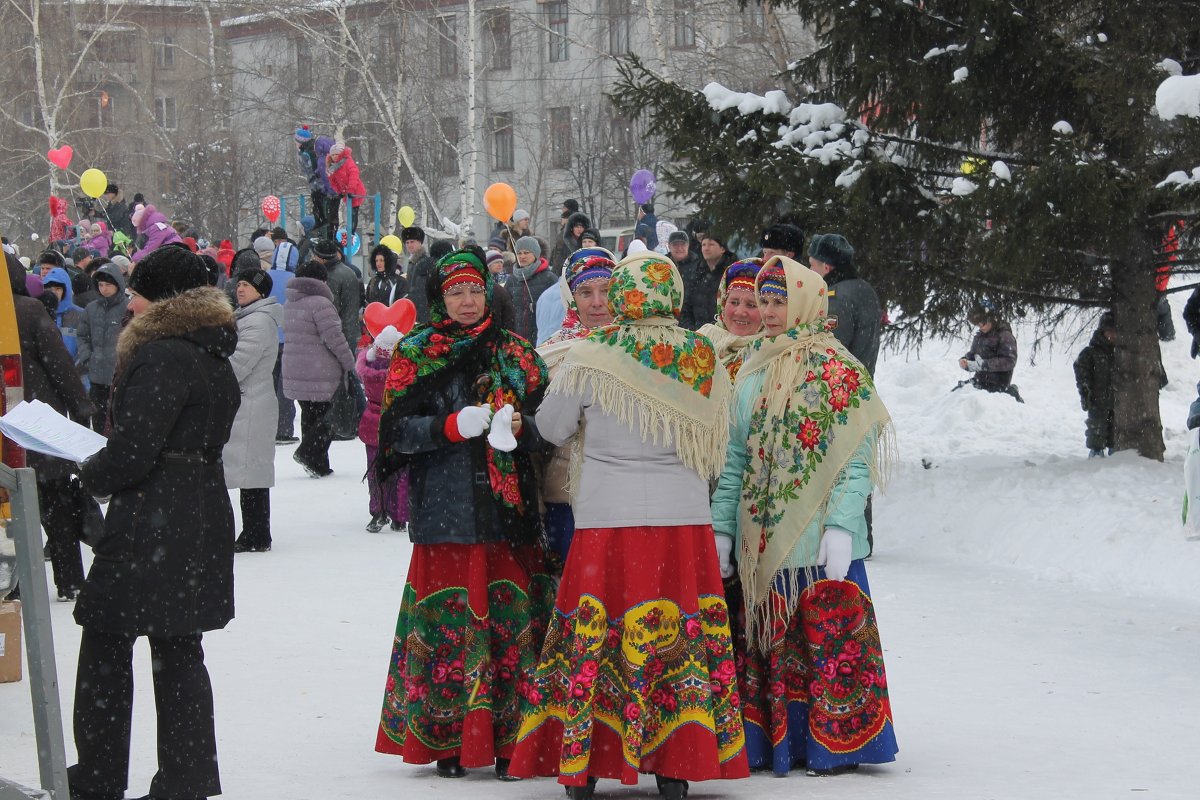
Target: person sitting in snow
point(993, 353)
point(1094, 380)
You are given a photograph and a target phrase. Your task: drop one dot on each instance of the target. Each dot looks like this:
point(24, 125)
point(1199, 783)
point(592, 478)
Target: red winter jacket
point(343, 176)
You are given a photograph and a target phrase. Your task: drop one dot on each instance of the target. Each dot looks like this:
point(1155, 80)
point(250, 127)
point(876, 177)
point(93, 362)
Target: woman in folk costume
point(739, 321)
point(476, 601)
point(806, 435)
point(584, 288)
point(637, 671)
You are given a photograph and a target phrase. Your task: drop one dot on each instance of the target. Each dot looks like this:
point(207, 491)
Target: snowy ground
point(1040, 614)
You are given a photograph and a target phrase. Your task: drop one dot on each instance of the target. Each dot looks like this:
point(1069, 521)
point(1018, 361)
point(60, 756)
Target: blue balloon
point(641, 186)
point(348, 247)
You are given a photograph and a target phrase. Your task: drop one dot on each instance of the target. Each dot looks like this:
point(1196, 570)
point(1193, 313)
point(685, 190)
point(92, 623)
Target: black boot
point(450, 768)
point(582, 792)
point(832, 771)
point(377, 522)
point(671, 788)
point(502, 770)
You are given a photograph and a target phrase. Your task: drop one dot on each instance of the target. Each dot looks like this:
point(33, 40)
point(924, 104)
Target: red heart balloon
point(402, 314)
point(61, 156)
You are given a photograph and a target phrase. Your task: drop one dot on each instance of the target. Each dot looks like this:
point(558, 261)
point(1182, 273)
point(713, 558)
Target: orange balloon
point(500, 201)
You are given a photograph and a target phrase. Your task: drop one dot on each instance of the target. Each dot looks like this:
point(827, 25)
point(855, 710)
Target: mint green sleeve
point(726, 498)
point(848, 500)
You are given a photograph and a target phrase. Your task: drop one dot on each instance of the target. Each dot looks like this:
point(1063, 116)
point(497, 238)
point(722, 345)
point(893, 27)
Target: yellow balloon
point(406, 216)
point(93, 182)
point(392, 242)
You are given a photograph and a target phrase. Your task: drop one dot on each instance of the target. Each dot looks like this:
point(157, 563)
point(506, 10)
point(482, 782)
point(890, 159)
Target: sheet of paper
point(38, 427)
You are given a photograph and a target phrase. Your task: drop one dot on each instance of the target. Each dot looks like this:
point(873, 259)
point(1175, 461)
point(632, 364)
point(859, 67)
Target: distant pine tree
point(967, 149)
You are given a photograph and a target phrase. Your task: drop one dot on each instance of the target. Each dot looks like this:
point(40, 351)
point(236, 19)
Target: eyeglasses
point(459, 291)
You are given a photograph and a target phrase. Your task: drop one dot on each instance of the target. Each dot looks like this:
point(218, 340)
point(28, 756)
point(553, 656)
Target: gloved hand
point(975, 365)
point(724, 552)
point(835, 553)
point(472, 421)
point(386, 341)
point(501, 436)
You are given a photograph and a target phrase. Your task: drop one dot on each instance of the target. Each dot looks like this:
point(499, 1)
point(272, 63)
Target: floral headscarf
point(504, 368)
point(731, 349)
point(816, 408)
point(657, 378)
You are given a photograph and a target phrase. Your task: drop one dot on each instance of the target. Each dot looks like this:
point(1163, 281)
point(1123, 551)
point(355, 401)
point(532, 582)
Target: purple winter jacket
point(158, 232)
point(315, 353)
point(324, 143)
point(374, 376)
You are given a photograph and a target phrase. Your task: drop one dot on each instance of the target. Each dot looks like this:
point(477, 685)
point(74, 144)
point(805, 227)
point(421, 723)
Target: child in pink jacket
point(388, 502)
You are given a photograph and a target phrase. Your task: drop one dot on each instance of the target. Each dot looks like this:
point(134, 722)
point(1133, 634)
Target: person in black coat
point(164, 565)
point(49, 374)
point(387, 285)
point(1094, 369)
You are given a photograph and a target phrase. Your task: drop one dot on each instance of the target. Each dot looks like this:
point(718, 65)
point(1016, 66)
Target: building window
point(106, 109)
point(497, 40)
point(389, 40)
point(164, 113)
point(557, 15)
point(448, 153)
point(560, 137)
point(446, 41)
point(115, 47)
point(164, 52)
point(304, 66)
point(685, 23)
point(753, 18)
point(502, 141)
point(619, 13)
point(620, 139)
point(168, 185)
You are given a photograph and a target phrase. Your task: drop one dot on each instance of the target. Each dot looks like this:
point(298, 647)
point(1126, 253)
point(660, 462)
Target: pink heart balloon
point(402, 314)
point(61, 156)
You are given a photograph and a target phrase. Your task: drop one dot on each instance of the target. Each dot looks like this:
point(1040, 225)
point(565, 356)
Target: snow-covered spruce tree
point(1008, 151)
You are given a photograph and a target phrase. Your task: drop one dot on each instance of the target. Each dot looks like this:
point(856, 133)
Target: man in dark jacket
point(420, 268)
point(117, 211)
point(48, 374)
point(164, 565)
point(97, 336)
point(646, 228)
point(702, 281)
point(993, 354)
point(852, 301)
point(1094, 380)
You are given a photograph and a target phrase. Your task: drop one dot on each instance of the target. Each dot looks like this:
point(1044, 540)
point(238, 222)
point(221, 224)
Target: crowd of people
point(637, 487)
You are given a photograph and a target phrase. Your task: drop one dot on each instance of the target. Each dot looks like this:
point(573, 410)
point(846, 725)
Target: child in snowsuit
point(993, 354)
point(1094, 380)
point(388, 501)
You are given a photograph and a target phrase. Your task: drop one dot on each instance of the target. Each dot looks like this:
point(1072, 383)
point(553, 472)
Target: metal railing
point(25, 529)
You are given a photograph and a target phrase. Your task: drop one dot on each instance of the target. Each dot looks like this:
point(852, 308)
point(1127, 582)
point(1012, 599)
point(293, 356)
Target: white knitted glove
point(386, 341)
point(501, 436)
point(976, 365)
point(724, 553)
point(472, 421)
point(835, 553)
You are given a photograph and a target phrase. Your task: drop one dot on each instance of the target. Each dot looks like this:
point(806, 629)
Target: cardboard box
point(10, 641)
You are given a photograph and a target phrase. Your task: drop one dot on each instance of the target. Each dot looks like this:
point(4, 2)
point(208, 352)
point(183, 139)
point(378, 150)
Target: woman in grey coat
point(249, 455)
point(316, 359)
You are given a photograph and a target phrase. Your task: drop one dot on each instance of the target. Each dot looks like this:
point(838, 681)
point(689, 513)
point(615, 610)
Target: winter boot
point(831, 772)
point(671, 788)
point(377, 522)
point(582, 792)
point(502, 770)
point(450, 768)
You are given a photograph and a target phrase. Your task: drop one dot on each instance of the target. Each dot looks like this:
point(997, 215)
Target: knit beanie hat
point(494, 256)
point(440, 248)
point(264, 245)
point(531, 244)
point(258, 278)
point(412, 232)
point(304, 134)
point(325, 249)
point(680, 237)
point(519, 215)
point(590, 233)
point(833, 249)
point(168, 271)
point(313, 269)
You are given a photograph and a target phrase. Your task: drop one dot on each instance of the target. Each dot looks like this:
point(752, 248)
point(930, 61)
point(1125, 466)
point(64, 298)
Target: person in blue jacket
point(67, 316)
point(806, 433)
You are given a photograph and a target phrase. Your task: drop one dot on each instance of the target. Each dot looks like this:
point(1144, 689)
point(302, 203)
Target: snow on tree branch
point(1178, 96)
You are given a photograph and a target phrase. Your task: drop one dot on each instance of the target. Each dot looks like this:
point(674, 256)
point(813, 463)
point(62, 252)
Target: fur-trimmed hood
point(202, 316)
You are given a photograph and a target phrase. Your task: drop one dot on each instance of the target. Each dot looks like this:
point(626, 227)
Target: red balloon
point(402, 314)
point(61, 157)
point(270, 208)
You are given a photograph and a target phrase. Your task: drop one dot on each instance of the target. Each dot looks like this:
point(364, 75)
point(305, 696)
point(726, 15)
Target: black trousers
point(62, 519)
point(315, 434)
point(187, 741)
point(256, 517)
point(98, 394)
point(287, 409)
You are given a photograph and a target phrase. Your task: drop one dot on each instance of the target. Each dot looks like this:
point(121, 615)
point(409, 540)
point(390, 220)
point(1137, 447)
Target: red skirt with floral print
point(637, 672)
